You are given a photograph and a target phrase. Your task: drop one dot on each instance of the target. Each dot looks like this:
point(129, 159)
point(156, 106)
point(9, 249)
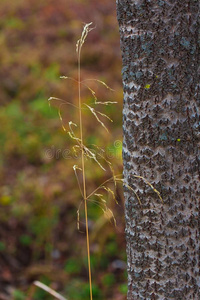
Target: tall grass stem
point(83, 172)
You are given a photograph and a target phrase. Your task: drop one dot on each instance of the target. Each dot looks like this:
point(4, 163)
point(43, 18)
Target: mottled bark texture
point(160, 52)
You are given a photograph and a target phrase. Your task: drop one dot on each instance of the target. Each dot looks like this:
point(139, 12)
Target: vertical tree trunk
point(160, 51)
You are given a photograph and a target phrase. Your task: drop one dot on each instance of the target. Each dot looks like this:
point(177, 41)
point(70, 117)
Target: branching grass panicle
point(86, 152)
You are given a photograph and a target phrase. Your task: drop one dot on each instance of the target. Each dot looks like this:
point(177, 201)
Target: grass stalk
point(83, 171)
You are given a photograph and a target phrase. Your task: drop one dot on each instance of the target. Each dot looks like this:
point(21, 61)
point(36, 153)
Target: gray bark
point(160, 53)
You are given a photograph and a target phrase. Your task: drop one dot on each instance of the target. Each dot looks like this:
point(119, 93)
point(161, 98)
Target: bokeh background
point(39, 196)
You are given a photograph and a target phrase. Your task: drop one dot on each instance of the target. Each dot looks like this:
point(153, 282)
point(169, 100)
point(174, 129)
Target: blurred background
point(39, 195)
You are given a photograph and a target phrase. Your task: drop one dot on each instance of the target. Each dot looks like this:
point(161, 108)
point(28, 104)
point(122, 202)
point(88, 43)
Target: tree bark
point(160, 52)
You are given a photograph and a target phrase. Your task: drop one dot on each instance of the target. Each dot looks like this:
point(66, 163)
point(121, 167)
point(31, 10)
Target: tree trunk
point(161, 122)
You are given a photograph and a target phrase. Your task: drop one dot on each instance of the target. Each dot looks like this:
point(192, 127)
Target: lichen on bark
point(160, 43)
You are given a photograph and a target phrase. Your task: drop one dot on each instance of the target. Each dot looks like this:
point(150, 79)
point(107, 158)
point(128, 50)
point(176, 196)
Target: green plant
point(18, 295)
point(72, 266)
point(123, 288)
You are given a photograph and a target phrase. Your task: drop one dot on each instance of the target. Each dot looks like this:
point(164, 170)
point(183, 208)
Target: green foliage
point(94, 211)
point(80, 291)
point(112, 248)
point(40, 293)
point(14, 23)
point(39, 106)
point(123, 288)
point(52, 72)
point(25, 240)
point(41, 226)
point(72, 266)
point(104, 262)
point(108, 279)
point(2, 247)
point(18, 295)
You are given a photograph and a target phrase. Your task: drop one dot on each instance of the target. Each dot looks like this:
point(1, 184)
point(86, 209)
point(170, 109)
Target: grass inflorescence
point(75, 131)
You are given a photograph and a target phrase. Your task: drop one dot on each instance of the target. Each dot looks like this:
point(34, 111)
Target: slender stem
point(83, 173)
